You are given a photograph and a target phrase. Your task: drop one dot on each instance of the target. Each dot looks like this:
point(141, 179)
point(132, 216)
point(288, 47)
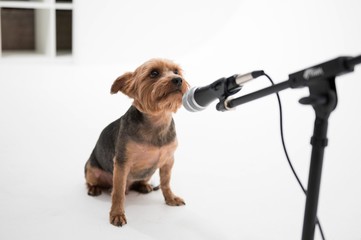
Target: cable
point(286, 153)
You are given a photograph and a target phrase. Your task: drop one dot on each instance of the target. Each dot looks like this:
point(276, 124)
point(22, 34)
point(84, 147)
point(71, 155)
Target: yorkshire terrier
point(133, 147)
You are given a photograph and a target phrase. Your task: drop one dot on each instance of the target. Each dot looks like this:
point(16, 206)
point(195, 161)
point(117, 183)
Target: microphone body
point(198, 98)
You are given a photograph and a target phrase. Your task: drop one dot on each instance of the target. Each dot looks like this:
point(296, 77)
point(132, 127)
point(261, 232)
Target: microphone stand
point(320, 79)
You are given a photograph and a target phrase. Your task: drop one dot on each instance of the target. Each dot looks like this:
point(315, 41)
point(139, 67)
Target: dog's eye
point(154, 74)
point(176, 71)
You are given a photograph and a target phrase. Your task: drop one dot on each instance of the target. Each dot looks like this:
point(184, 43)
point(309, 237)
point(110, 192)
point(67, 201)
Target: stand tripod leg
point(319, 142)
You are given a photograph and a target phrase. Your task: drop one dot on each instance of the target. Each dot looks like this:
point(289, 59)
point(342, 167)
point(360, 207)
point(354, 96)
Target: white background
point(230, 167)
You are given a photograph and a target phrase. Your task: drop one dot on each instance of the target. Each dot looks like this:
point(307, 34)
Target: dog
point(130, 149)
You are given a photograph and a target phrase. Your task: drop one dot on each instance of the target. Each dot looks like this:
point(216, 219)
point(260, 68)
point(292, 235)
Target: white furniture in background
point(45, 32)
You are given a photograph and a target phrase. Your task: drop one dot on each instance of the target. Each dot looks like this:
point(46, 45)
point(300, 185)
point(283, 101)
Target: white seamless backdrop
point(230, 167)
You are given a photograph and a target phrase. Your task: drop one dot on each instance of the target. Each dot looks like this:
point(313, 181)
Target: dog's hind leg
point(96, 179)
point(142, 187)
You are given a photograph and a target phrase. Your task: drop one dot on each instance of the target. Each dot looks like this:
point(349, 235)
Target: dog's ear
point(123, 84)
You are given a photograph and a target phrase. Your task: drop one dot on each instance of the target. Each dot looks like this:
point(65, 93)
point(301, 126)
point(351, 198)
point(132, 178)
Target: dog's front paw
point(118, 219)
point(175, 201)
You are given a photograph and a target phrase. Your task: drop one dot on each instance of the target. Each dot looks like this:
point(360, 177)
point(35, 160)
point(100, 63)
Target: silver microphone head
point(190, 103)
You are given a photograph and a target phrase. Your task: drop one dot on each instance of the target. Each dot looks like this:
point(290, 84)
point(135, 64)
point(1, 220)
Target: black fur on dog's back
point(104, 150)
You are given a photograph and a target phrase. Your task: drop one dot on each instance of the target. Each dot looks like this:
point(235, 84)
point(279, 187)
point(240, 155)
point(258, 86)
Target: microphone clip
point(233, 85)
point(230, 87)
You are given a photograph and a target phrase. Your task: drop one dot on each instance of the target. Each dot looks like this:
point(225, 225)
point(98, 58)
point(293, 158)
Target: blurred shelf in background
point(36, 29)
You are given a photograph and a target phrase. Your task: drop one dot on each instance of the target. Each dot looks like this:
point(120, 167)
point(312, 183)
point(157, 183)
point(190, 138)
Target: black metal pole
point(323, 98)
point(319, 142)
point(258, 94)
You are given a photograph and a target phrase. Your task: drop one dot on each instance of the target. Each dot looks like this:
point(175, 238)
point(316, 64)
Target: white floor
point(234, 177)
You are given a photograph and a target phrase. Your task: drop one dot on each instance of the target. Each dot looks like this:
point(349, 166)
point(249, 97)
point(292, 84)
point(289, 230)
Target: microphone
point(198, 98)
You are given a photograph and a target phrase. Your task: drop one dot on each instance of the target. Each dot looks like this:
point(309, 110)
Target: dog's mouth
point(176, 91)
point(171, 93)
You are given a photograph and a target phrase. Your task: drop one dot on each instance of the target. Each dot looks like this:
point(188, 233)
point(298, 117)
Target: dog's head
point(156, 86)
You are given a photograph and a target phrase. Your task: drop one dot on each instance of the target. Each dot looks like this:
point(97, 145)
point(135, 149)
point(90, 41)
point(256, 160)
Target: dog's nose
point(177, 81)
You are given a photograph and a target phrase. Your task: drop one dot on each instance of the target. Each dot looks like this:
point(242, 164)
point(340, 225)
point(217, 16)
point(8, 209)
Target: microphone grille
point(190, 103)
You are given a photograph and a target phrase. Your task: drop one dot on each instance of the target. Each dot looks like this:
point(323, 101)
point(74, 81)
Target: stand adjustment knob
point(313, 100)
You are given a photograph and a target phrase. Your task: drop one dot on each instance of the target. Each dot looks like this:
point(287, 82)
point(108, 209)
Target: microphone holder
point(320, 79)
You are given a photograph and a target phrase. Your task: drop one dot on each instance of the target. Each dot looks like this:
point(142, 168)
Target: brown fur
point(143, 140)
